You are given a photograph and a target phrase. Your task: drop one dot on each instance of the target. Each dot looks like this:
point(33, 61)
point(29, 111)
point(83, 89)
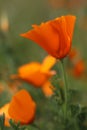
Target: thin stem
point(65, 89)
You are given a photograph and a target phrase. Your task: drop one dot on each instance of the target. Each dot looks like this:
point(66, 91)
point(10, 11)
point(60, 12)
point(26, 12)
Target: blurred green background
point(16, 51)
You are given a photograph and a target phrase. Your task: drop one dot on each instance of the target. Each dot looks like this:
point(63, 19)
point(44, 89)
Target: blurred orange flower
point(55, 4)
point(36, 73)
point(78, 68)
point(54, 36)
point(4, 22)
point(69, 4)
point(26, 114)
point(2, 88)
point(73, 54)
point(76, 4)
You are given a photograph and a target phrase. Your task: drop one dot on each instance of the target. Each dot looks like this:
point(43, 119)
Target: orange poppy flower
point(12, 110)
point(54, 36)
point(24, 101)
point(36, 73)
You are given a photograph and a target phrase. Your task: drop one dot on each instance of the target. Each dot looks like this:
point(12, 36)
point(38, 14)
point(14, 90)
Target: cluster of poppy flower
point(54, 36)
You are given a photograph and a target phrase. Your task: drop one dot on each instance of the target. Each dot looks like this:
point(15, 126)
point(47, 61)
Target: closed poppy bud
point(54, 36)
point(22, 108)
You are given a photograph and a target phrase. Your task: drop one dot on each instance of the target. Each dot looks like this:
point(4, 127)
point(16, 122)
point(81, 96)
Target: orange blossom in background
point(78, 65)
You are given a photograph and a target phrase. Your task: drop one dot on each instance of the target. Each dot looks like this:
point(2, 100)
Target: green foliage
point(2, 120)
point(14, 125)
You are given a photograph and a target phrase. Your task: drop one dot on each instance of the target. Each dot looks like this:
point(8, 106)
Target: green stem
point(65, 89)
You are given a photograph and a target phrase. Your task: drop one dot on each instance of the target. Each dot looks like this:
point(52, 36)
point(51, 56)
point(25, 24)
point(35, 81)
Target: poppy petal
point(70, 22)
point(22, 107)
point(45, 36)
point(28, 69)
point(48, 63)
point(48, 89)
